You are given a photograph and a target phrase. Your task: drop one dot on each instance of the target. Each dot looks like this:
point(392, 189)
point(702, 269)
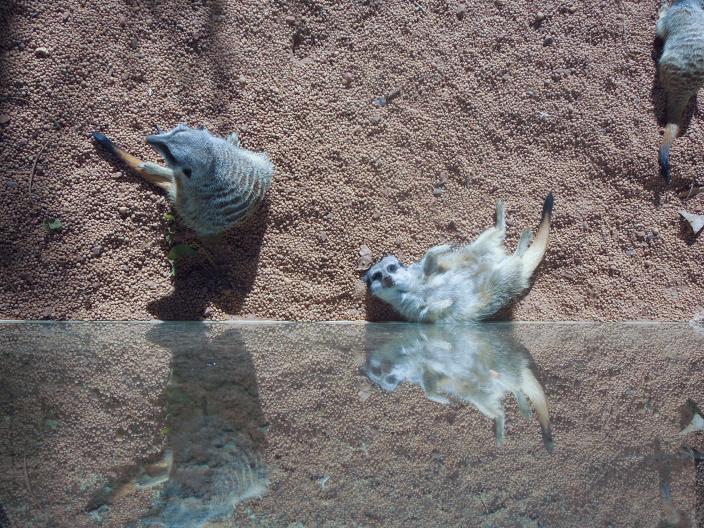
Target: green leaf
point(177, 252)
point(169, 217)
point(51, 424)
point(180, 251)
point(53, 224)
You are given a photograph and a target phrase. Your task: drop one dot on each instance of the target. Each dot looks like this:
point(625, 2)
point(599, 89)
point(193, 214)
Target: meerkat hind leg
point(524, 242)
point(499, 424)
point(523, 405)
point(234, 139)
point(500, 215)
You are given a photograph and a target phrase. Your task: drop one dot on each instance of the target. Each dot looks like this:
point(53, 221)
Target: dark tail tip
point(548, 442)
point(547, 206)
point(104, 141)
point(665, 164)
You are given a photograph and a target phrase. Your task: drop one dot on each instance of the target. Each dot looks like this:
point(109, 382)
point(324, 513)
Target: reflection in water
point(476, 364)
point(214, 433)
point(177, 420)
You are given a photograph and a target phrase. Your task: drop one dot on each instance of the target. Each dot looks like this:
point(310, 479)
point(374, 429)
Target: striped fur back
point(240, 179)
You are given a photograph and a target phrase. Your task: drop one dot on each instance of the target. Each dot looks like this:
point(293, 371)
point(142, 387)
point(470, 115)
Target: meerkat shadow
point(198, 283)
point(378, 311)
point(210, 406)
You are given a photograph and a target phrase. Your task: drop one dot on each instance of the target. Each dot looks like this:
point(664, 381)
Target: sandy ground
point(493, 104)
point(339, 451)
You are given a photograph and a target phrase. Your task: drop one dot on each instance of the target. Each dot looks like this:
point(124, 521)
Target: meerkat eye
point(376, 276)
point(392, 268)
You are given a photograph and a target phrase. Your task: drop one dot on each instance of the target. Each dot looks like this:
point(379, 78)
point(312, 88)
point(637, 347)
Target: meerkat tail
point(532, 388)
point(671, 131)
point(159, 176)
point(534, 254)
point(676, 106)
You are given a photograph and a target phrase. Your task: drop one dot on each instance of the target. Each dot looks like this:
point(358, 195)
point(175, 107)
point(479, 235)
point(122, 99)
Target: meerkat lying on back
point(469, 283)
point(213, 183)
point(681, 66)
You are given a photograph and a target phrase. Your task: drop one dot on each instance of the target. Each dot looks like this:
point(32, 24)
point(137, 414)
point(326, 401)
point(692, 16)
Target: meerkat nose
point(388, 282)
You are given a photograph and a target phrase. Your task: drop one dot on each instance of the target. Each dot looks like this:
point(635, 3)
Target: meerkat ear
point(187, 171)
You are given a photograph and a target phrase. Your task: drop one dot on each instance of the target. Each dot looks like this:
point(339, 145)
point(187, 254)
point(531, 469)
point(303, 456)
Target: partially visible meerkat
point(476, 364)
point(468, 283)
point(681, 65)
point(213, 183)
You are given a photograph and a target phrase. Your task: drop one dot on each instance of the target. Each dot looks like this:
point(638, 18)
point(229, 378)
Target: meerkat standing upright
point(213, 183)
point(468, 283)
point(681, 65)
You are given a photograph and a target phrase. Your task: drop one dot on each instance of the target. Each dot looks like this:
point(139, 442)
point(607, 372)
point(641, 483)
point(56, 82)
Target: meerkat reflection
point(468, 283)
point(681, 65)
point(476, 364)
point(213, 183)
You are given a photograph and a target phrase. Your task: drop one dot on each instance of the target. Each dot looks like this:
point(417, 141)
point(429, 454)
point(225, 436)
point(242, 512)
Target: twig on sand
point(34, 166)
point(693, 191)
point(26, 476)
point(14, 98)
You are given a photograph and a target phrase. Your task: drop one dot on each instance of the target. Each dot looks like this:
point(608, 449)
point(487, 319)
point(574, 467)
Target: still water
point(308, 425)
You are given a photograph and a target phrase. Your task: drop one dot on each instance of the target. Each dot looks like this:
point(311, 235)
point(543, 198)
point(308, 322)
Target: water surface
point(226, 424)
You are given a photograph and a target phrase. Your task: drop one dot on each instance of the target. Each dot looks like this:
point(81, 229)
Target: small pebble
point(438, 191)
point(4, 119)
point(208, 312)
point(48, 313)
point(375, 119)
point(460, 12)
point(134, 43)
point(364, 250)
point(376, 215)
point(291, 20)
point(347, 78)
point(41, 52)
point(96, 251)
point(539, 16)
point(322, 237)
point(124, 211)
point(548, 41)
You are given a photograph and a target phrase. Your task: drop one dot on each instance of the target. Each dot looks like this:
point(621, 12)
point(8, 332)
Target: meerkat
point(212, 182)
point(468, 283)
point(475, 364)
point(681, 65)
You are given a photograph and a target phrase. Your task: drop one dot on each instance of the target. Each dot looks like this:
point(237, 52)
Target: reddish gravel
point(493, 104)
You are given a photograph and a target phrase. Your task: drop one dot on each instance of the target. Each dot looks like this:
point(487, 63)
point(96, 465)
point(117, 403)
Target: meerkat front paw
point(234, 139)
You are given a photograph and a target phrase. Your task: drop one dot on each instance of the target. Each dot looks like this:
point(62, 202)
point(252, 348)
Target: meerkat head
point(387, 279)
point(187, 151)
point(387, 372)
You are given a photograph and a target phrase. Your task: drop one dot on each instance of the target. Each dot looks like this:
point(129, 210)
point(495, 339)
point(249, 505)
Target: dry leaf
point(364, 263)
point(696, 222)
